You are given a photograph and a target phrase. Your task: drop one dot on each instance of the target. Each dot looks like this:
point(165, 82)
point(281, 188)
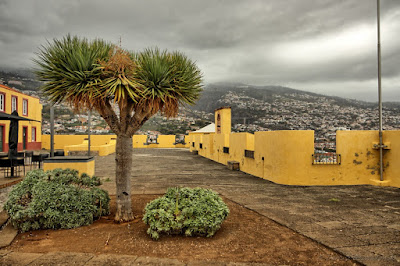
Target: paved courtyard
point(361, 222)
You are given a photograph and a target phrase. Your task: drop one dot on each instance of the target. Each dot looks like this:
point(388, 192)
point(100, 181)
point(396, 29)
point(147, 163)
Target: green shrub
point(193, 212)
point(56, 199)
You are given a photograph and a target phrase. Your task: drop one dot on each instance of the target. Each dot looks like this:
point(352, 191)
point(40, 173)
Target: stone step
point(7, 235)
point(3, 218)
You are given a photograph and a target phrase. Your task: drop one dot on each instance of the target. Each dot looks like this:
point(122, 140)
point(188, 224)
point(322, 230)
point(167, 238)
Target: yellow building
point(30, 132)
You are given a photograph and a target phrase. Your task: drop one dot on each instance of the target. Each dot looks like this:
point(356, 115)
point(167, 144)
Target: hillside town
point(281, 111)
point(307, 112)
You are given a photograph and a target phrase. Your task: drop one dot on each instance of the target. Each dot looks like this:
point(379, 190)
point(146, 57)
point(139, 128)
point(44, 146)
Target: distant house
point(207, 129)
point(30, 132)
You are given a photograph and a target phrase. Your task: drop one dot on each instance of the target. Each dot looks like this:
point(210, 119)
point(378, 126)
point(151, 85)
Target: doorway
point(24, 137)
point(1, 137)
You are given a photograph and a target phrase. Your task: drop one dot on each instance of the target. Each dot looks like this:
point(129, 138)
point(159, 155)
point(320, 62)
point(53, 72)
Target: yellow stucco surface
point(82, 167)
point(391, 158)
point(223, 120)
point(105, 144)
point(285, 157)
point(166, 141)
point(102, 150)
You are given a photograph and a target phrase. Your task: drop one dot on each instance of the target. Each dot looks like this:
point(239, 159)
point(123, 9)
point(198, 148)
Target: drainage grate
point(326, 158)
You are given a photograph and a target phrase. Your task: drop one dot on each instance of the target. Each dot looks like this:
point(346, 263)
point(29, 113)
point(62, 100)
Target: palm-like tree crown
point(96, 74)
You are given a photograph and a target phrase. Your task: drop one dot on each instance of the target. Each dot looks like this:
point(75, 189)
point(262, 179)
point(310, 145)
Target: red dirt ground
point(245, 236)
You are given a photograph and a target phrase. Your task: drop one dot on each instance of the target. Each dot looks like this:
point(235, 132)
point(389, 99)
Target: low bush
point(56, 199)
point(193, 212)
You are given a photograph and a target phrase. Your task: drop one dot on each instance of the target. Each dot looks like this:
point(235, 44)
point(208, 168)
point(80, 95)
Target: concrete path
point(361, 222)
point(8, 258)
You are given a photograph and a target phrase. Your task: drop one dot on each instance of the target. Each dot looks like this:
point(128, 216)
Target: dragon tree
point(124, 87)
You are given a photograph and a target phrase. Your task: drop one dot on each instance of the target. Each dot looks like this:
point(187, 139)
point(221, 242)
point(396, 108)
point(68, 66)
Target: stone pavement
point(9, 258)
point(360, 222)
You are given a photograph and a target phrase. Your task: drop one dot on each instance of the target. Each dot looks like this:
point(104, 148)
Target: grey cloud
point(230, 40)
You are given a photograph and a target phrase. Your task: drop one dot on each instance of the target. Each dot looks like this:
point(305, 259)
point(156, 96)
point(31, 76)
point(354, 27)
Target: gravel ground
point(4, 195)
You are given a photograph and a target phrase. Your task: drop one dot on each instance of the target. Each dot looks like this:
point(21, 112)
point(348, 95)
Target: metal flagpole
point(380, 94)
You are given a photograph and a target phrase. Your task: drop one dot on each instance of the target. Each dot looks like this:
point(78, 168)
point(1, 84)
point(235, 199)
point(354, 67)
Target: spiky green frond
point(75, 70)
point(90, 74)
point(69, 67)
point(168, 79)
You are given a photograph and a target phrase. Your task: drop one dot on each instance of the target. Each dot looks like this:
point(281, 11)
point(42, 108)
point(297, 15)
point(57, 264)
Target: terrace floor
point(361, 222)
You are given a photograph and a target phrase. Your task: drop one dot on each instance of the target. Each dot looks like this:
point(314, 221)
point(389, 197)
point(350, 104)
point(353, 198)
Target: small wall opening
point(151, 139)
point(180, 139)
point(249, 154)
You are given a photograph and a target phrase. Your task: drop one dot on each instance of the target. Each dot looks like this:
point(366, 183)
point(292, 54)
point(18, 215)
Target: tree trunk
point(123, 175)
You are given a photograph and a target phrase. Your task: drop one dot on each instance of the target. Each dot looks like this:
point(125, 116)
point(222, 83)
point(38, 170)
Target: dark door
point(1, 138)
point(24, 137)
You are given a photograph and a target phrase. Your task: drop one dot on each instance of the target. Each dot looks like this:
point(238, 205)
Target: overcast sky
point(324, 46)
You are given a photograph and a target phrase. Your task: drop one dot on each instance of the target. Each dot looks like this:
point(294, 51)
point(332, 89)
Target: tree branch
point(106, 111)
point(142, 114)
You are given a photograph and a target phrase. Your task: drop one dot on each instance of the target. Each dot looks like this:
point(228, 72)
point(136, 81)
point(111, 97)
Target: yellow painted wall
point(391, 158)
point(60, 141)
point(195, 138)
point(107, 149)
point(102, 150)
point(207, 142)
point(166, 141)
point(187, 140)
point(239, 142)
point(190, 141)
point(139, 141)
point(221, 141)
point(358, 158)
point(223, 120)
point(98, 142)
point(285, 157)
point(82, 167)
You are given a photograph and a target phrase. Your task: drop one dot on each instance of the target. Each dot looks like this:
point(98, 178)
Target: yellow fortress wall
point(391, 158)
point(104, 143)
point(221, 141)
point(223, 120)
point(60, 141)
point(285, 157)
point(166, 141)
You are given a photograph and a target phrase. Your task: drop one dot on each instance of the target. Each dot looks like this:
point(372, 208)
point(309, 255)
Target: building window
point(33, 134)
point(24, 107)
point(218, 124)
point(14, 103)
point(2, 102)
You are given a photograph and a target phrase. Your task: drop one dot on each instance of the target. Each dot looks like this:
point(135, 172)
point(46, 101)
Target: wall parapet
point(286, 157)
point(105, 144)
